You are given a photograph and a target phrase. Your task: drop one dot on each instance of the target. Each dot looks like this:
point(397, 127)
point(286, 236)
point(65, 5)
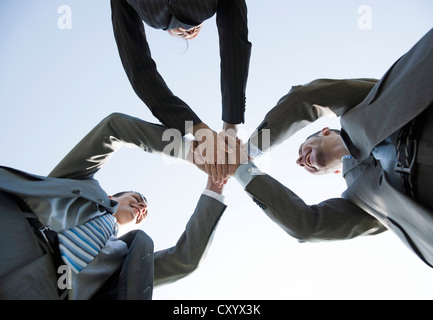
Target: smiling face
point(132, 208)
point(322, 153)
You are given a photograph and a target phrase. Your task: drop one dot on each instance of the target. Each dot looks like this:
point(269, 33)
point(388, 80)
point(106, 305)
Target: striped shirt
point(134, 51)
point(79, 245)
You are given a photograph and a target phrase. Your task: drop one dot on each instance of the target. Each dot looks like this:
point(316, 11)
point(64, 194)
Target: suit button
point(76, 191)
point(261, 205)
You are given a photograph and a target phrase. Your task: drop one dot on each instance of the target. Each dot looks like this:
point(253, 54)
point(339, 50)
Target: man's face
point(132, 208)
point(318, 154)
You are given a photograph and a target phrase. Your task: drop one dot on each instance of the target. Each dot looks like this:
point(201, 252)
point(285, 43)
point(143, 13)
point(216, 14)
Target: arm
point(142, 72)
point(333, 219)
point(115, 131)
point(179, 261)
point(306, 103)
point(235, 52)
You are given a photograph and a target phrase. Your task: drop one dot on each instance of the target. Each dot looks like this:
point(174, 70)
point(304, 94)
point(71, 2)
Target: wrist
point(227, 126)
point(246, 172)
point(214, 187)
point(199, 126)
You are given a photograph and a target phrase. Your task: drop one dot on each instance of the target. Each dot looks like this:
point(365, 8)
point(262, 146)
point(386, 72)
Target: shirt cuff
point(247, 172)
point(253, 151)
point(219, 197)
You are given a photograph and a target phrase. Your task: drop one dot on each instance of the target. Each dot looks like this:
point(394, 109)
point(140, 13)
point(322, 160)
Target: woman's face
point(187, 34)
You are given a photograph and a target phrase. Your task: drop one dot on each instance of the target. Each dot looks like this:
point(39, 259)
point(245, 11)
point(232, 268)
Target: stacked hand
point(217, 154)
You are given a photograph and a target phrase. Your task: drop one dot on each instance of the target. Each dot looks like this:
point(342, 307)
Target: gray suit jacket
point(369, 113)
point(71, 184)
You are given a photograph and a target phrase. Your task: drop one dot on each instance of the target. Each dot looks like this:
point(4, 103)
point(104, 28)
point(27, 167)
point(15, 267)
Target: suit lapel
point(22, 183)
point(369, 189)
point(401, 95)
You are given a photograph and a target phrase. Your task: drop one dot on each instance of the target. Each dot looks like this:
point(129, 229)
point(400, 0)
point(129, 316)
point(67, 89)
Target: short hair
point(318, 132)
point(119, 194)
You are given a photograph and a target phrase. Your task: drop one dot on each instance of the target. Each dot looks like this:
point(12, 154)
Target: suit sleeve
point(142, 72)
point(333, 219)
point(305, 104)
point(111, 134)
point(179, 261)
point(235, 53)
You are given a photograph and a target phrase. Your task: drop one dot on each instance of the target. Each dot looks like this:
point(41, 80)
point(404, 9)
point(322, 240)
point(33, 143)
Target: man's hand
point(240, 156)
point(230, 127)
point(214, 149)
point(234, 160)
point(215, 187)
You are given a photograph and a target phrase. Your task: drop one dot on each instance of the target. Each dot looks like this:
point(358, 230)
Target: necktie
point(79, 245)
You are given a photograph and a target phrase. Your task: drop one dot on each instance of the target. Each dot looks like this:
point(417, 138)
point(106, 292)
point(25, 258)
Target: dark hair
point(119, 194)
point(318, 132)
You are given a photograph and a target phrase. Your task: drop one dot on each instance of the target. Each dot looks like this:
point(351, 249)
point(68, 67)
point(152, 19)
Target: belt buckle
point(42, 231)
point(408, 170)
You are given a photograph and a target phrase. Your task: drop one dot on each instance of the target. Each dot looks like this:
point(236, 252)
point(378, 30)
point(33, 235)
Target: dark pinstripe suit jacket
point(235, 51)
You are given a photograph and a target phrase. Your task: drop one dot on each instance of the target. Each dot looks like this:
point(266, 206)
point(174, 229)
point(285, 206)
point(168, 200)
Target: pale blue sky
point(56, 85)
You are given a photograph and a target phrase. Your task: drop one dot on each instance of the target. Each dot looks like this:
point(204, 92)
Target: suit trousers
point(134, 280)
point(27, 270)
point(26, 264)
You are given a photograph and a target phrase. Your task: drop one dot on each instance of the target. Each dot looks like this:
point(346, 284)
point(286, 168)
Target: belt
point(46, 235)
point(49, 236)
point(406, 148)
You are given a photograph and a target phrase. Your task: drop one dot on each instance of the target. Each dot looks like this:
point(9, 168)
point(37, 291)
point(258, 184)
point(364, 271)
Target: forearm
point(115, 131)
point(179, 261)
point(142, 72)
point(333, 219)
point(305, 104)
point(235, 53)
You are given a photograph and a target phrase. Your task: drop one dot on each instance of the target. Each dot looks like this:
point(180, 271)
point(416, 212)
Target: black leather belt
point(44, 233)
point(407, 147)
